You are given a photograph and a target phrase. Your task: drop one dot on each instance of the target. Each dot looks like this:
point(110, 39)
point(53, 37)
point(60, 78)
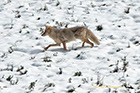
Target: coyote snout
point(45, 33)
point(69, 34)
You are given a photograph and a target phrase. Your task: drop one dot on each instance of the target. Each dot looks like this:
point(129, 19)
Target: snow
point(24, 68)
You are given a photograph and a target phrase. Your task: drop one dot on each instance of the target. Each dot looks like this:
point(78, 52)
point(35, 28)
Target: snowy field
point(111, 67)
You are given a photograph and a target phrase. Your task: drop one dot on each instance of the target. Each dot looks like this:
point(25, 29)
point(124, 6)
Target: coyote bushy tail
point(92, 37)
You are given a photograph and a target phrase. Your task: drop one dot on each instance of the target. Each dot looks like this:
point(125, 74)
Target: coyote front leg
point(51, 46)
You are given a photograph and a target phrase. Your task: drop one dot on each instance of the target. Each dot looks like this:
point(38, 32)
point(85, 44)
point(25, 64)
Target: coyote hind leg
point(87, 41)
point(83, 44)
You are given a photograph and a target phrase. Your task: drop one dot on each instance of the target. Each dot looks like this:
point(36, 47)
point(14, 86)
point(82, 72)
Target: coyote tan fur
point(69, 34)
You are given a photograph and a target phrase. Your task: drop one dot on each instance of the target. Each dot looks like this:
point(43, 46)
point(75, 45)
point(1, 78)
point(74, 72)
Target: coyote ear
point(45, 25)
point(49, 27)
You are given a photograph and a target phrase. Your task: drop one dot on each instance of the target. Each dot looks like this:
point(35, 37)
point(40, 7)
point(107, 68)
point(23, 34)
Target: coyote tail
point(92, 37)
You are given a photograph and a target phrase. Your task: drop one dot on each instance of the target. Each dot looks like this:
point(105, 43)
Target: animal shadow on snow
point(62, 50)
point(28, 51)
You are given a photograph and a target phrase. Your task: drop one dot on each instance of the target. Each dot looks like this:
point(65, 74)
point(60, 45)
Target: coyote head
point(47, 30)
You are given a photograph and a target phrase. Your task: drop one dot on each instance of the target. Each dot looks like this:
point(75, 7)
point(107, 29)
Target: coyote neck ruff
point(69, 34)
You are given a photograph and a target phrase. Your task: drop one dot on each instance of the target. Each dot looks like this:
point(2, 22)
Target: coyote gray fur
point(69, 34)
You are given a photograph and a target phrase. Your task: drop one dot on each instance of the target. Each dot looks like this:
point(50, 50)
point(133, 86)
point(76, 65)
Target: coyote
point(69, 34)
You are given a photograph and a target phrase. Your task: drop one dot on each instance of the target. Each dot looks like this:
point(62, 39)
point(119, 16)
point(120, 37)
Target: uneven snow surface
point(111, 67)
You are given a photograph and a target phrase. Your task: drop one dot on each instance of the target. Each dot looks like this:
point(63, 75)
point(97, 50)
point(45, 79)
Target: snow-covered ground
point(113, 66)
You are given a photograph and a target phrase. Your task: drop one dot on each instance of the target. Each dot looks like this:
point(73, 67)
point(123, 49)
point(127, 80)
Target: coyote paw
point(45, 48)
point(92, 45)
